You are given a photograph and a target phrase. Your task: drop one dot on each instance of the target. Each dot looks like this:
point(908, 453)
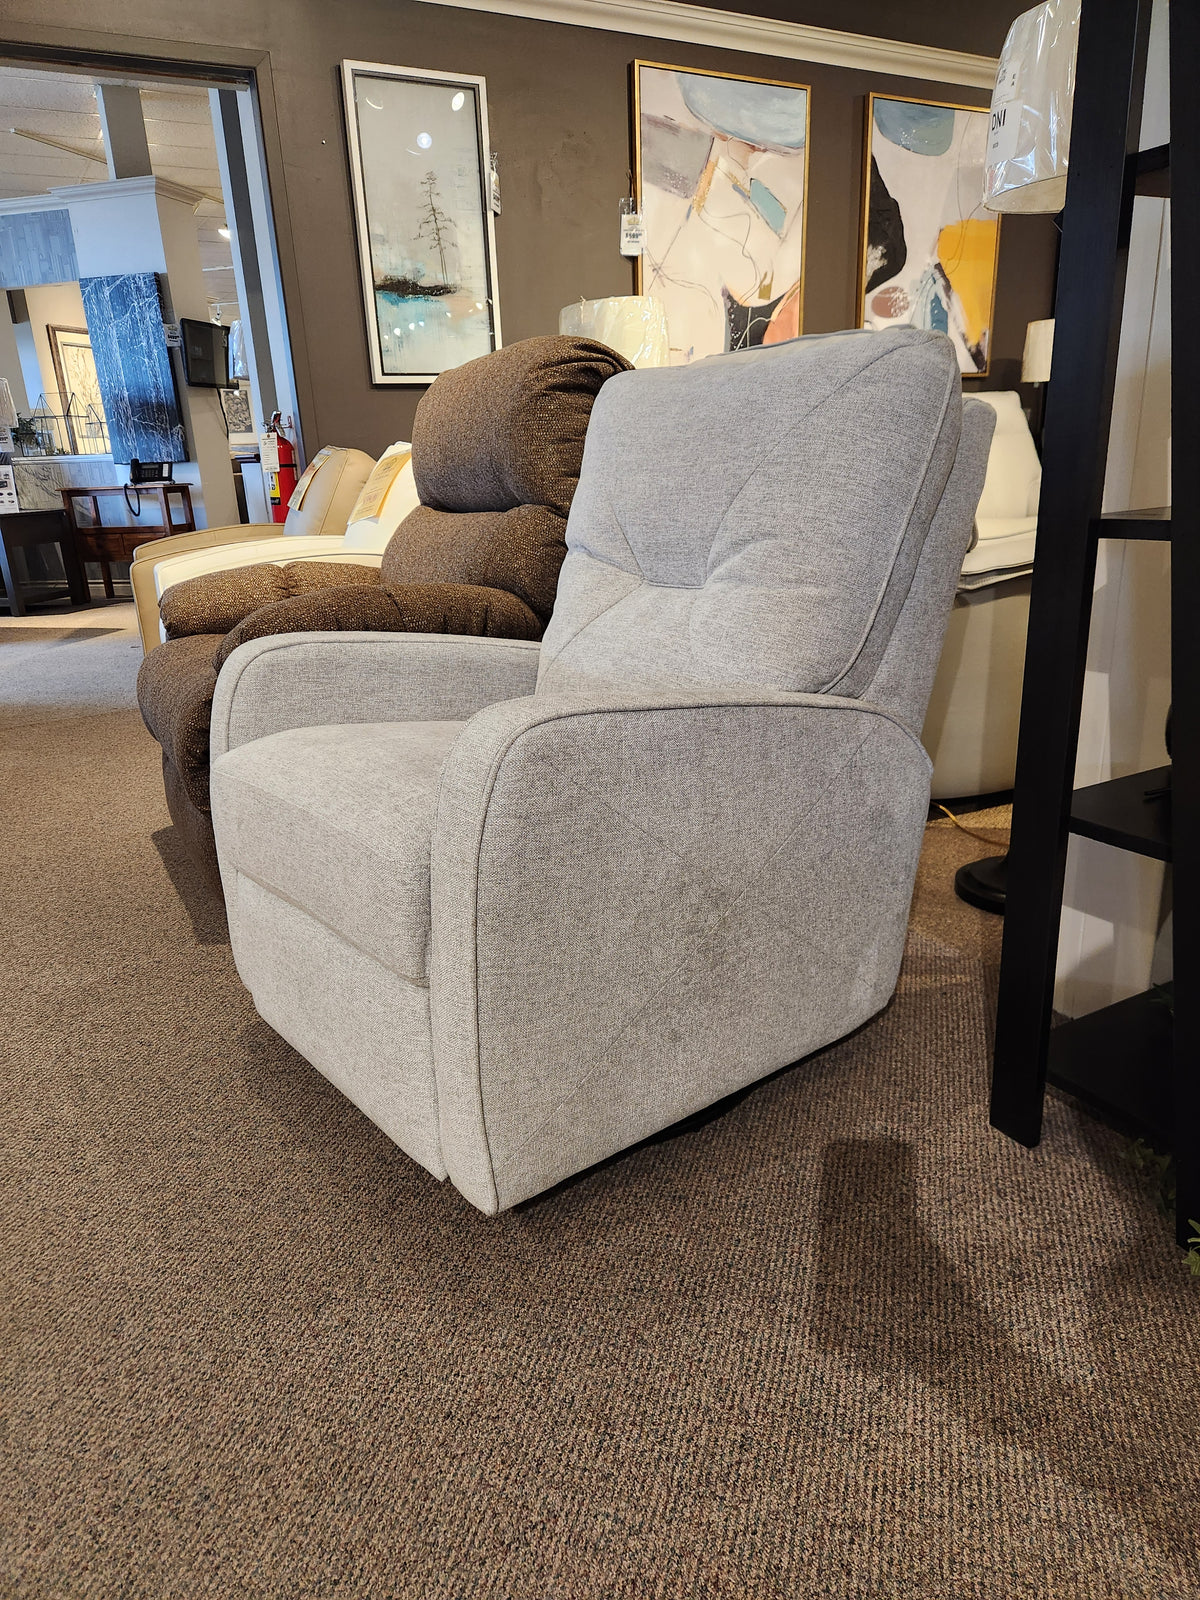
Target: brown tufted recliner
point(497, 448)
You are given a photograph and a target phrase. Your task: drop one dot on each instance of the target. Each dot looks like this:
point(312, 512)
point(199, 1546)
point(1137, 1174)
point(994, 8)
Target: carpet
point(842, 1340)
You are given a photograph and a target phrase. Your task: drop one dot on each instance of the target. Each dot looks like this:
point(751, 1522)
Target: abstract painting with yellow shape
point(929, 249)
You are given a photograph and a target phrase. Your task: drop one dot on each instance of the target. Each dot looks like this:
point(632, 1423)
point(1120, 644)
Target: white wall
point(10, 359)
point(57, 305)
point(1113, 902)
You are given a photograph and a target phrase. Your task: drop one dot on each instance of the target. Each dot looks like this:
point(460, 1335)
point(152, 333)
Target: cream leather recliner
point(344, 508)
point(975, 708)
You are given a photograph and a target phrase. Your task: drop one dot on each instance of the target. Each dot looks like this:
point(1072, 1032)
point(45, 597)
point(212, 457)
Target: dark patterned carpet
point(841, 1341)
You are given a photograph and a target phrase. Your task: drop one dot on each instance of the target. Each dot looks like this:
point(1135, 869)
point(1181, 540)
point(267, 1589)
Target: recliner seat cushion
point(819, 507)
point(339, 822)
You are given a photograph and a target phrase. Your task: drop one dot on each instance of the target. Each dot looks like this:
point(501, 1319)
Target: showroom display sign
point(721, 166)
point(929, 248)
point(421, 172)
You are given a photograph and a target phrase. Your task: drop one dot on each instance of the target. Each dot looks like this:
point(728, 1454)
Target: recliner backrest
point(324, 497)
point(496, 451)
point(759, 518)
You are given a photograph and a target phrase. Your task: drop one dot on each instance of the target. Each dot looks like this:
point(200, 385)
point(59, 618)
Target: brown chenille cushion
point(407, 608)
point(214, 602)
point(507, 429)
point(175, 689)
point(520, 551)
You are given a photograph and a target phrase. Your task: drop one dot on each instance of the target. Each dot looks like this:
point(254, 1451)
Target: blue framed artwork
point(133, 368)
point(420, 170)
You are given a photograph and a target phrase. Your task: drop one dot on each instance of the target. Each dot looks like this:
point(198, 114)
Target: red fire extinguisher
point(282, 478)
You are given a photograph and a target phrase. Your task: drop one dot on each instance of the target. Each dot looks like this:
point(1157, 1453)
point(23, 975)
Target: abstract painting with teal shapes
point(722, 173)
point(423, 229)
point(929, 247)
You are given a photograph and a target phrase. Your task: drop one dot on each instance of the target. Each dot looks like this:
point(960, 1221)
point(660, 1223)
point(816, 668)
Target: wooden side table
point(96, 541)
point(21, 530)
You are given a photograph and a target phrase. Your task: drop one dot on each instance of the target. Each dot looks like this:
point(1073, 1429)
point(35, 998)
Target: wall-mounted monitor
point(205, 354)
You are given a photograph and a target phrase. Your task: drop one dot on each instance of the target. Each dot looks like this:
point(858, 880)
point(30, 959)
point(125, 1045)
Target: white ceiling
point(179, 130)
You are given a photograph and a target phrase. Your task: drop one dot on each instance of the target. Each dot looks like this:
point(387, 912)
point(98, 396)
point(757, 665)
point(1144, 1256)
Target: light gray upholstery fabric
point(363, 1027)
point(724, 888)
point(338, 820)
point(308, 680)
point(683, 860)
point(903, 680)
point(774, 545)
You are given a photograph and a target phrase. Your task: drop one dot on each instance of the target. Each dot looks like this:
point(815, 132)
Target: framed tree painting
point(721, 169)
point(929, 248)
point(419, 166)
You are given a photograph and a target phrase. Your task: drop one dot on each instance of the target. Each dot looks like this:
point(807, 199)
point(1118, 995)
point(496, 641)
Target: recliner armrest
point(316, 679)
point(643, 902)
point(147, 556)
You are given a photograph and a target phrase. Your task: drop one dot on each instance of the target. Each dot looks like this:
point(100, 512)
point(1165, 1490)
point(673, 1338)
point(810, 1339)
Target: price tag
point(174, 335)
point(633, 233)
point(268, 449)
point(8, 490)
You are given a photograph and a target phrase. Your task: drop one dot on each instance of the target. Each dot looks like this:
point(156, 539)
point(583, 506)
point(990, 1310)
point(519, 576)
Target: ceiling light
point(424, 140)
point(458, 102)
point(224, 232)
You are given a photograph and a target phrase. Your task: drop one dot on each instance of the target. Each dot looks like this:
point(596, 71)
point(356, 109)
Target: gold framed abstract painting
point(721, 173)
point(929, 248)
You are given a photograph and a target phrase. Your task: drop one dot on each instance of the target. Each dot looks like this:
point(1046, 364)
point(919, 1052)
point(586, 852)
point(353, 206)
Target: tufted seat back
point(760, 518)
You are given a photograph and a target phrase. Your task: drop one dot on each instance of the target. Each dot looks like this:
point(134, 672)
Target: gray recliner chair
point(526, 904)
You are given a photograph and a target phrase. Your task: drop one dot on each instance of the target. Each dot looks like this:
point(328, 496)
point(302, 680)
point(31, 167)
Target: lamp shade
point(634, 325)
point(1039, 347)
point(8, 411)
point(1029, 136)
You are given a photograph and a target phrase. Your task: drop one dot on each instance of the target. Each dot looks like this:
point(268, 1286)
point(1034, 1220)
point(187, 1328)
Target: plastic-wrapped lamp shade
point(634, 325)
point(1030, 134)
point(8, 411)
point(1039, 347)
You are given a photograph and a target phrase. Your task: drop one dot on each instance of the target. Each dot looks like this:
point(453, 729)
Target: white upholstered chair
point(527, 904)
point(975, 706)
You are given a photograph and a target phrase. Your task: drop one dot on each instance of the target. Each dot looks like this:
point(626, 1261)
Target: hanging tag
point(633, 230)
point(268, 449)
point(495, 184)
point(8, 490)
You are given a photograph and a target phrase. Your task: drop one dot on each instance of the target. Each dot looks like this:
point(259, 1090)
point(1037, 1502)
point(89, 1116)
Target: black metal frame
point(1118, 1060)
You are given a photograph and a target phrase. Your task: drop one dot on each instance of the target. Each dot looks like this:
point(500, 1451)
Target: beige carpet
point(843, 1340)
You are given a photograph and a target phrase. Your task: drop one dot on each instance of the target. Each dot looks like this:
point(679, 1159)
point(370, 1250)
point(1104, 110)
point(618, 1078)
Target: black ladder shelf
point(1136, 1063)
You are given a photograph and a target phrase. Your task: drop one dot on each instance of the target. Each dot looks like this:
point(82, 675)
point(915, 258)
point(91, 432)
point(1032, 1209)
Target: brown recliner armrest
point(403, 608)
point(214, 602)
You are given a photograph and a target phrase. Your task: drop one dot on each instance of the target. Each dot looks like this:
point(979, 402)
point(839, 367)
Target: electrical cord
point(982, 837)
point(135, 510)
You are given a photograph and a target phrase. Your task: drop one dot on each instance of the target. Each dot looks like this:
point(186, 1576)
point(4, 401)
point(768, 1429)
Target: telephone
point(150, 472)
point(144, 472)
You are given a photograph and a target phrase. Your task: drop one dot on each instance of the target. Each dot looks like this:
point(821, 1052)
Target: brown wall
point(558, 102)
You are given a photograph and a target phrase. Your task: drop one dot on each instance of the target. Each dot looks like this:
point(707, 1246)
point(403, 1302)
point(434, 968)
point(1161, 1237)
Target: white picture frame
point(420, 157)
